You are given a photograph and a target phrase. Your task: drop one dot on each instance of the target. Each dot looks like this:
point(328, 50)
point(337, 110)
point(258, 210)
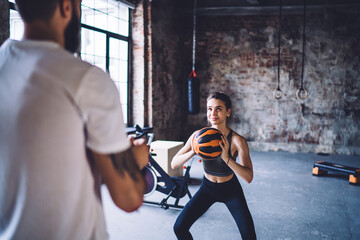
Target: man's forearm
point(123, 178)
point(125, 162)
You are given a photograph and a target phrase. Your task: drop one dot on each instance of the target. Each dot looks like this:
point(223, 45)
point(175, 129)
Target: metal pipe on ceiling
point(273, 10)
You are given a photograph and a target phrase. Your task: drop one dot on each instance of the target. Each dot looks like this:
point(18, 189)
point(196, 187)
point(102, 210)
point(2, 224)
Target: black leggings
point(230, 193)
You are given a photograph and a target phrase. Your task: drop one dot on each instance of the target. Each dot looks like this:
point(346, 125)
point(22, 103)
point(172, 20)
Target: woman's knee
point(249, 236)
point(181, 231)
point(248, 233)
point(179, 228)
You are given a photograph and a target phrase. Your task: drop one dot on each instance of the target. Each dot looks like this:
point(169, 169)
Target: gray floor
point(285, 200)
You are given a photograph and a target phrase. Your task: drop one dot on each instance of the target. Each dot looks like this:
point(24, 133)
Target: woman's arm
point(245, 168)
point(184, 154)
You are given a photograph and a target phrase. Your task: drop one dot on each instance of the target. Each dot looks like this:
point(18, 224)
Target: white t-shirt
point(53, 106)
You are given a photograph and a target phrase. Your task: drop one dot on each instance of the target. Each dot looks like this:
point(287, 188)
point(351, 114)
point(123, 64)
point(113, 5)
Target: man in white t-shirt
point(61, 126)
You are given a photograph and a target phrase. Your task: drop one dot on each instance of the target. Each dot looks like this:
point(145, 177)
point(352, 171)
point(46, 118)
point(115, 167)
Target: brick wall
point(159, 92)
point(138, 63)
point(168, 75)
point(238, 55)
point(4, 20)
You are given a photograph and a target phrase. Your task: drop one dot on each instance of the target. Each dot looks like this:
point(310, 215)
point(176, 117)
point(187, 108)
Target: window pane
point(109, 15)
point(100, 44)
point(113, 8)
point(114, 70)
point(88, 4)
point(123, 27)
point(118, 49)
point(100, 20)
point(100, 62)
point(112, 24)
point(93, 47)
point(101, 5)
point(123, 71)
point(87, 41)
point(124, 110)
point(87, 15)
point(16, 25)
point(119, 74)
point(123, 92)
point(123, 13)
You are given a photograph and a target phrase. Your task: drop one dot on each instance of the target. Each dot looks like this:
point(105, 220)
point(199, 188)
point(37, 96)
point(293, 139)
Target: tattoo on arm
point(125, 162)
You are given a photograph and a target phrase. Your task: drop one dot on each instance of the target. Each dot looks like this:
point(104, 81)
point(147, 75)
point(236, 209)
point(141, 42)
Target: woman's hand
point(191, 138)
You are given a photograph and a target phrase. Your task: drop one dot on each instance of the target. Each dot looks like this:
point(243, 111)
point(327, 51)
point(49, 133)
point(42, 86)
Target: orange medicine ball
point(206, 143)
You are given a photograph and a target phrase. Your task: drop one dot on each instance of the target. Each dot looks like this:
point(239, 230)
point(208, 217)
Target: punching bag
point(193, 93)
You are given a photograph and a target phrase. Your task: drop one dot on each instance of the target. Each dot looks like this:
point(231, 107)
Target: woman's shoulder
point(237, 138)
point(194, 133)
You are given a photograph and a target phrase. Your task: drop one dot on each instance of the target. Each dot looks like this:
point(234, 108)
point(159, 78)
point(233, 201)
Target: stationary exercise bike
point(157, 179)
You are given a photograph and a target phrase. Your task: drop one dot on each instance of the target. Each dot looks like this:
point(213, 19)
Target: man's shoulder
point(66, 64)
point(67, 59)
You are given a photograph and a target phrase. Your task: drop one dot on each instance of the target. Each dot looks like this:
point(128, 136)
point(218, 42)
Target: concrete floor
point(285, 200)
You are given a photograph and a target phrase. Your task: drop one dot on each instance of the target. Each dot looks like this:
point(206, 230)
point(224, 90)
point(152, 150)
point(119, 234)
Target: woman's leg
point(236, 203)
point(192, 211)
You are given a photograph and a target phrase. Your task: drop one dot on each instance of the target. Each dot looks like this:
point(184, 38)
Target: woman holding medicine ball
point(219, 183)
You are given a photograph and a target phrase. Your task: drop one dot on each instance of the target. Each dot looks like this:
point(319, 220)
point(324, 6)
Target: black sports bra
point(218, 167)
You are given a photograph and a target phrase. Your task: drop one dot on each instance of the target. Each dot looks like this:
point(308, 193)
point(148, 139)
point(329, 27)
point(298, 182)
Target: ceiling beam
point(273, 10)
point(253, 2)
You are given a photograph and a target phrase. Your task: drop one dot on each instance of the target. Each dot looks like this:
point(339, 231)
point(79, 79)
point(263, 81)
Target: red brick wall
point(238, 55)
point(138, 66)
point(4, 20)
point(159, 91)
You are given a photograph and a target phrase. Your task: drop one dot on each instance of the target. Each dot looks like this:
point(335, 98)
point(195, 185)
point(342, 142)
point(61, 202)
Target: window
point(104, 40)
point(16, 24)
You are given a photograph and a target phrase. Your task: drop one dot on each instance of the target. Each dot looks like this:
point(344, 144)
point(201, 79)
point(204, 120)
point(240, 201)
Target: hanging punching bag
point(193, 93)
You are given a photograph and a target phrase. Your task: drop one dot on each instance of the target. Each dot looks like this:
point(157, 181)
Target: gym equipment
point(193, 82)
point(322, 168)
point(302, 93)
point(193, 93)
point(158, 180)
point(163, 152)
point(176, 187)
point(278, 93)
point(150, 179)
point(206, 143)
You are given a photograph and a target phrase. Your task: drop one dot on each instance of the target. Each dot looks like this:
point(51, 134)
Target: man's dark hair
point(31, 10)
point(221, 96)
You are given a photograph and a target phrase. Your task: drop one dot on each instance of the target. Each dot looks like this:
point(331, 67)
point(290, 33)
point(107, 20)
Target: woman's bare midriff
point(217, 179)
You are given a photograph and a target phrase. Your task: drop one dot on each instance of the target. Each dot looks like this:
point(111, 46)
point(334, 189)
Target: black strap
point(194, 35)
point(303, 52)
point(278, 93)
point(229, 136)
point(280, 6)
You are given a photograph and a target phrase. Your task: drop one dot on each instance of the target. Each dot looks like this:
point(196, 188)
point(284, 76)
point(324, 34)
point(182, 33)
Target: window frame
point(107, 59)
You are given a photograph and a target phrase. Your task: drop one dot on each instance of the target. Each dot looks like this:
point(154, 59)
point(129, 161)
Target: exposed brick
point(4, 20)
point(239, 55)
